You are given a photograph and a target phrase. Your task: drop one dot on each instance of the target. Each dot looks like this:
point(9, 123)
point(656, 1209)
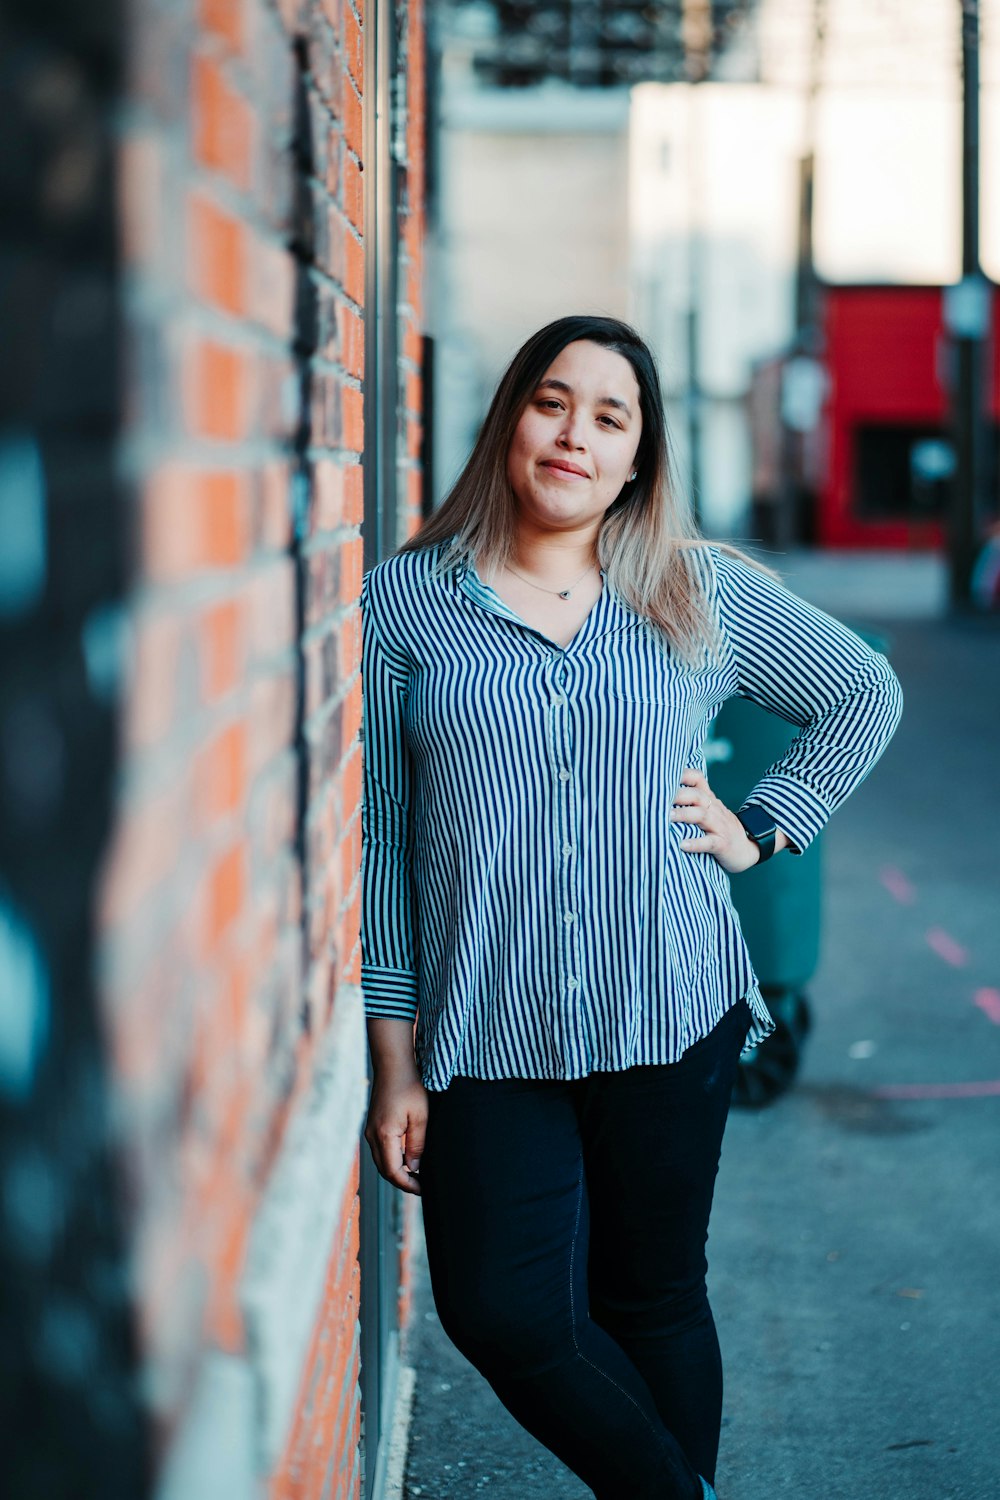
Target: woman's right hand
point(397, 1108)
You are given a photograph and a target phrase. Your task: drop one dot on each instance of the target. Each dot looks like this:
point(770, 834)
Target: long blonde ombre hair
point(648, 539)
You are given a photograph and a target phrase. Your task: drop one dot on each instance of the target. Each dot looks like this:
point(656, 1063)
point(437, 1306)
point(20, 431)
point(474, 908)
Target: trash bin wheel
point(769, 1070)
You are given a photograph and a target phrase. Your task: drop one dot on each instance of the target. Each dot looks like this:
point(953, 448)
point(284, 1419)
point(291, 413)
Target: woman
point(546, 893)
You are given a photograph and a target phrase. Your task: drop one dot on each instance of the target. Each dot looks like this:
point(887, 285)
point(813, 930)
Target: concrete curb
point(399, 1438)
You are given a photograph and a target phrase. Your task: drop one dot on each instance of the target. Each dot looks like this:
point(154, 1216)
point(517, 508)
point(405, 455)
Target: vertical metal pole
point(694, 389)
point(695, 288)
point(966, 317)
point(805, 276)
point(696, 31)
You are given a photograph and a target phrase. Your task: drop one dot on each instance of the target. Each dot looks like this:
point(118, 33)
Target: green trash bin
point(779, 905)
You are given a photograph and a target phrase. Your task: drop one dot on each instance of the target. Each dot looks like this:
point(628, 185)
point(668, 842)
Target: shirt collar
point(610, 611)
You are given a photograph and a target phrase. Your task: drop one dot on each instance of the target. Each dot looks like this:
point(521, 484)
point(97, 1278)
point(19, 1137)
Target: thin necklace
point(561, 593)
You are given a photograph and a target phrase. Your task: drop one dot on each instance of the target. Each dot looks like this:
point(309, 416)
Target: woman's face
point(575, 443)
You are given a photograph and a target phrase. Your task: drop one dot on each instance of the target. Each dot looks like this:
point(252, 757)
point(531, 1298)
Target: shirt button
point(567, 848)
point(559, 701)
point(564, 775)
point(572, 984)
point(570, 916)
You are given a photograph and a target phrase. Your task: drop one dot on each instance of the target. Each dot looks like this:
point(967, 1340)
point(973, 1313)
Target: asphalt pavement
point(854, 1265)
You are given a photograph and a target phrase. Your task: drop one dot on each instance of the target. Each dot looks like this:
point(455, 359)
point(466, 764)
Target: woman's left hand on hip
point(723, 836)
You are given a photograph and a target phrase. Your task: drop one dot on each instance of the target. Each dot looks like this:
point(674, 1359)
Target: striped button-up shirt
point(524, 892)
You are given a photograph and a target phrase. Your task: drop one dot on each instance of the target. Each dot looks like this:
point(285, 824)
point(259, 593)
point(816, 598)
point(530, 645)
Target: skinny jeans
point(566, 1224)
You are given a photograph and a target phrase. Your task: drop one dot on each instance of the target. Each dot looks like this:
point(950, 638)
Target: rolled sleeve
point(801, 663)
point(388, 947)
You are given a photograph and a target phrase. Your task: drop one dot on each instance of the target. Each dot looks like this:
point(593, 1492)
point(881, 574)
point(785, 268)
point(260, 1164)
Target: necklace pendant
point(564, 593)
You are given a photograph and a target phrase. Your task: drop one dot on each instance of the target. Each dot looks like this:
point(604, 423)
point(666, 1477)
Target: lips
point(562, 466)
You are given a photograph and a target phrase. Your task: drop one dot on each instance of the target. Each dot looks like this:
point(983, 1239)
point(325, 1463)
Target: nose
point(571, 435)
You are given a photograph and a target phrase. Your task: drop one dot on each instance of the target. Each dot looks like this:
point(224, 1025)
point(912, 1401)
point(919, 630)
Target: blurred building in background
point(535, 205)
point(776, 152)
point(211, 226)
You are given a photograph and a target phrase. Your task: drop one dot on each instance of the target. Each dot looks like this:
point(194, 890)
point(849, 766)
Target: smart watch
point(760, 827)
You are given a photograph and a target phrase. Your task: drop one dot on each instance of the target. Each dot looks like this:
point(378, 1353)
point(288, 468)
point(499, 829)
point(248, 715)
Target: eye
point(550, 402)
point(605, 417)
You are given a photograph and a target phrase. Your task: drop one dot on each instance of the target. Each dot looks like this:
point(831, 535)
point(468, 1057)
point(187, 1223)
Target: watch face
point(758, 823)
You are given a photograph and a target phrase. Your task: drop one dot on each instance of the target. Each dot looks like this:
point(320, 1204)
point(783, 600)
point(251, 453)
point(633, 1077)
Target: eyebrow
point(560, 385)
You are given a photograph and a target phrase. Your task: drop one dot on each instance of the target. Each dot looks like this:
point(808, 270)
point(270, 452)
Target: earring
point(634, 475)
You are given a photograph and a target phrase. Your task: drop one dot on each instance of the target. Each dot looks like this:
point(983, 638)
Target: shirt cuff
point(798, 812)
point(389, 992)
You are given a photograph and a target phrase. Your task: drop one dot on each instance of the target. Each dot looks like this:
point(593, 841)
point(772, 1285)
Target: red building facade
point(881, 456)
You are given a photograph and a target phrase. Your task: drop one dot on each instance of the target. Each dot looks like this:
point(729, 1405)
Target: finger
point(416, 1130)
point(685, 795)
point(693, 777)
point(390, 1161)
point(710, 843)
point(688, 814)
point(684, 800)
point(695, 812)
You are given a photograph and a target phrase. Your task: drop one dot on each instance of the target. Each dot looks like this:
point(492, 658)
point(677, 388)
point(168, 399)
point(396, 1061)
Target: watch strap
point(760, 827)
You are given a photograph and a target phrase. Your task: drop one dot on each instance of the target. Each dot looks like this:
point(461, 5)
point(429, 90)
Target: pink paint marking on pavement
point(897, 884)
point(988, 1001)
point(945, 947)
point(990, 1089)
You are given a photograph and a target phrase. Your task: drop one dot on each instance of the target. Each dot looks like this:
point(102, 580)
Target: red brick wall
point(322, 1457)
point(230, 901)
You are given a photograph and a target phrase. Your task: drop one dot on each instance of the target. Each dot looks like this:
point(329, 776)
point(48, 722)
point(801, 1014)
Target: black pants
point(566, 1225)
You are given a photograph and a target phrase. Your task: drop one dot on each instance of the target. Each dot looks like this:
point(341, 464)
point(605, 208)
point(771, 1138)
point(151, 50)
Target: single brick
point(217, 255)
point(329, 490)
point(221, 775)
point(222, 123)
point(334, 155)
point(413, 344)
point(353, 125)
point(354, 47)
point(353, 196)
point(217, 390)
point(352, 341)
point(336, 239)
point(353, 419)
point(350, 782)
point(225, 895)
point(222, 649)
point(354, 495)
point(350, 639)
point(354, 270)
point(414, 489)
